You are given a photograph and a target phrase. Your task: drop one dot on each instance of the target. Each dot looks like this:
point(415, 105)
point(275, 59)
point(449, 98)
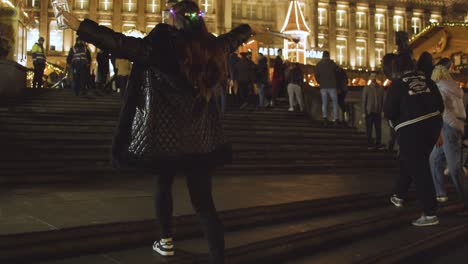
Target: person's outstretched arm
point(121, 46)
point(234, 38)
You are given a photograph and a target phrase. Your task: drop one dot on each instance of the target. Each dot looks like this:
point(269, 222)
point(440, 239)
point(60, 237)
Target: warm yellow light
point(8, 3)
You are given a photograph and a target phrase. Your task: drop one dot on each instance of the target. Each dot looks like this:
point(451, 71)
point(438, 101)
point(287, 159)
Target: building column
point(371, 38)
point(141, 18)
point(44, 23)
point(93, 6)
point(220, 13)
point(332, 28)
point(227, 15)
point(426, 18)
point(117, 17)
point(313, 23)
point(408, 21)
point(390, 29)
point(352, 34)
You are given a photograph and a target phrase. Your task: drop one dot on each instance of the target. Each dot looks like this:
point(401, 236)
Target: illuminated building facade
point(356, 32)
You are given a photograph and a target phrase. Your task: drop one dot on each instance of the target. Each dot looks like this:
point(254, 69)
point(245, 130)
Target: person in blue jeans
point(326, 75)
point(449, 145)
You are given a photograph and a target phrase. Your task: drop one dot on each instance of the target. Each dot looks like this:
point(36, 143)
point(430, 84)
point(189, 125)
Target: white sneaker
point(164, 247)
point(291, 109)
point(442, 199)
point(395, 200)
point(426, 220)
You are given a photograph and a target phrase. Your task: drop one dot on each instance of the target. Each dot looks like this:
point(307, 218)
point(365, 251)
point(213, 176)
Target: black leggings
point(416, 143)
point(199, 187)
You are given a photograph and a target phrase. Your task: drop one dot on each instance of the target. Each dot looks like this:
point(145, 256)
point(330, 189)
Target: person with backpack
point(79, 58)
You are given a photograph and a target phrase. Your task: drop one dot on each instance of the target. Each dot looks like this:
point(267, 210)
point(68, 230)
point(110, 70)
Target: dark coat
point(325, 73)
point(163, 120)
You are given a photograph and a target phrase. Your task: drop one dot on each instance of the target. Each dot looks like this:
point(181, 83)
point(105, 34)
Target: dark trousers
point(341, 101)
point(199, 187)
point(416, 143)
point(374, 120)
point(245, 91)
point(80, 78)
point(38, 74)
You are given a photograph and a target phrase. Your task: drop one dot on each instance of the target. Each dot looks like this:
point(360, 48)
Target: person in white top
point(449, 144)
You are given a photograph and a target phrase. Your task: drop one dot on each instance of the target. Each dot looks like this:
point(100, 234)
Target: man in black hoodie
point(414, 106)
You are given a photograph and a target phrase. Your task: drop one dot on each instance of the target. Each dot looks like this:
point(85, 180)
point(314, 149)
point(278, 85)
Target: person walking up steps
point(325, 74)
point(414, 106)
point(39, 62)
point(169, 120)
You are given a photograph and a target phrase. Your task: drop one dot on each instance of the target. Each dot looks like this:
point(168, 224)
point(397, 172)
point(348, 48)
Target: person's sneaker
point(398, 202)
point(426, 220)
point(291, 109)
point(442, 199)
point(164, 247)
point(446, 172)
point(380, 147)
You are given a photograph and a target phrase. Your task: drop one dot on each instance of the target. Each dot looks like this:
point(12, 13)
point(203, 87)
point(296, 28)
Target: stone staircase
point(54, 136)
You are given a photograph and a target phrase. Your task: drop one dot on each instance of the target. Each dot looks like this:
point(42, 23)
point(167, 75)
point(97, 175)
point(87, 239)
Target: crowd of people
point(170, 120)
point(82, 73)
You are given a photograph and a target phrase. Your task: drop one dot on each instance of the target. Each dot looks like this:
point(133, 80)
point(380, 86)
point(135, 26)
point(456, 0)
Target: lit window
point(33, 3)
point(360, 20)
point(82, 4)
point(341, 18)
point(322, 16)
point(237, 10)
point(128, 27)
point(416, 25)
point(129, 6)
point(106, 5)
point(379, 22)
point(152, 6)
point(398, 23)
point(251, 11)
point(361, 53)
point(379, 52)
point(207, 6)
point(267, 12)
point(32, 36)
point(341, 51)
point(434, 20)
point(55, 37)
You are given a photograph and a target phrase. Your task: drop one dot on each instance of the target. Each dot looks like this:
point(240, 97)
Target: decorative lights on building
point(416, 23)
point(340, 53)
point(359, 55)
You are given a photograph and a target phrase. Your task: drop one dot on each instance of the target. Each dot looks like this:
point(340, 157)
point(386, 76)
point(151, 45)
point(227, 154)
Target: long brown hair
point(202, 60)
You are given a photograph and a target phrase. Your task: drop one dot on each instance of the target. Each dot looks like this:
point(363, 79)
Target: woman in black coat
point(169, 120)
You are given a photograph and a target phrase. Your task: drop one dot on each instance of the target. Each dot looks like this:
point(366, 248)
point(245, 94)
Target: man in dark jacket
point(262, 79)
point(245, 78)
point(79, 58)
point(414, 106)
point(325, 74)
point(102, 59)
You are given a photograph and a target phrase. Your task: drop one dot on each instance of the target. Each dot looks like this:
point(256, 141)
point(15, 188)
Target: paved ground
point(48, 207)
